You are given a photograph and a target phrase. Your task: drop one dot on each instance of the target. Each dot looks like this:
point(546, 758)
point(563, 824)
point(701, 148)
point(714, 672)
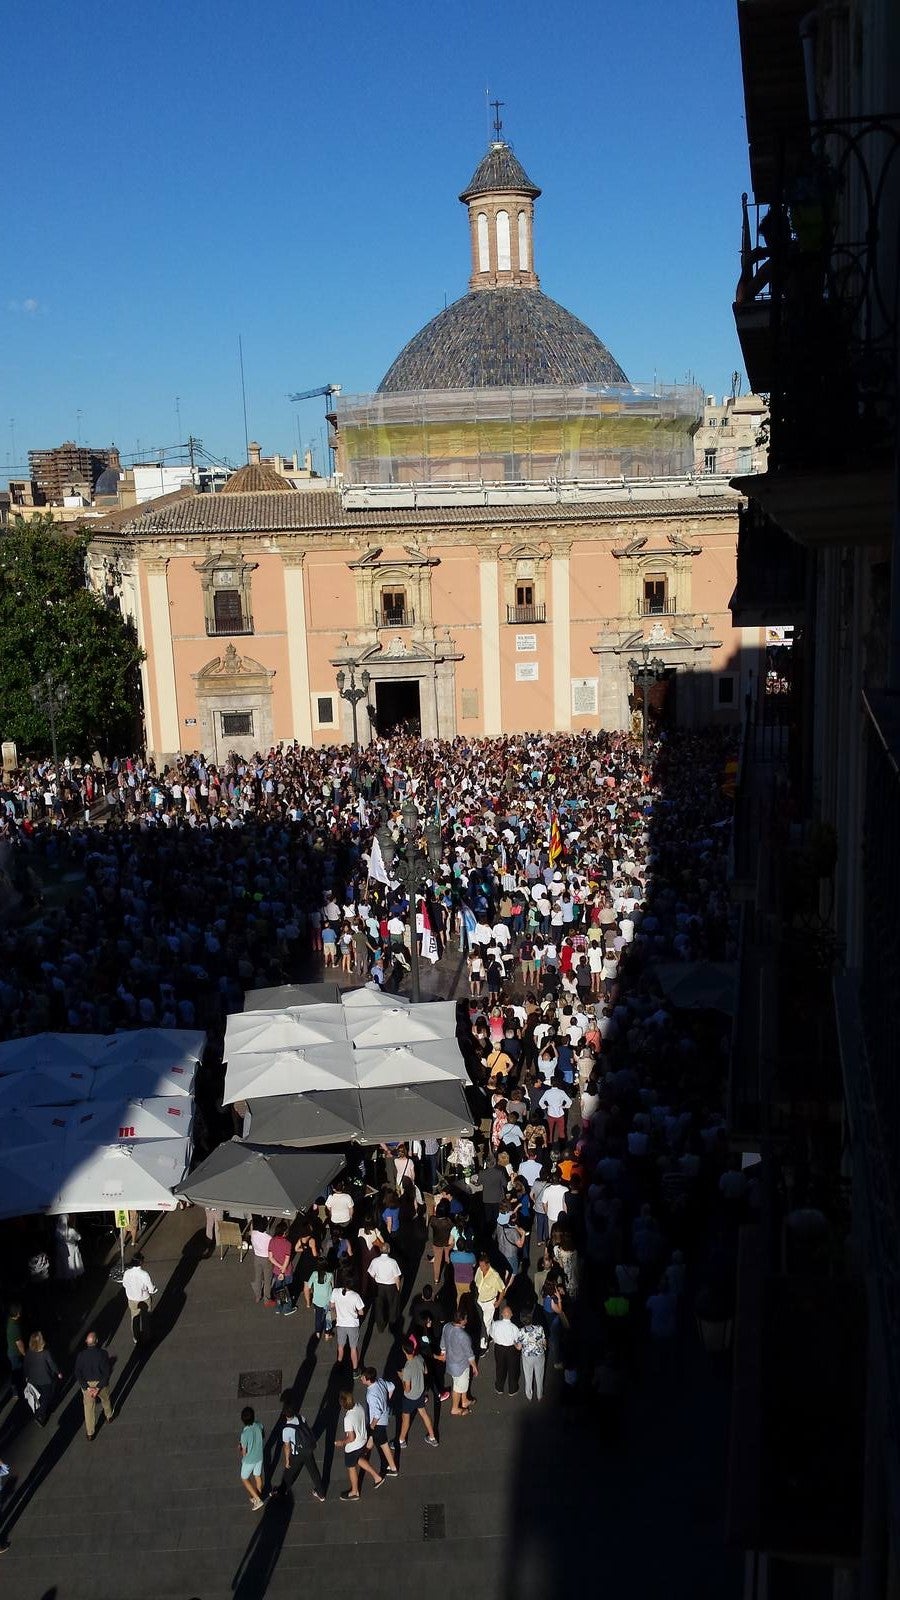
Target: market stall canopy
point(416, 1111)
point(289, 1071)
point(41, 1050)
point(382, 1066)
point(132, 1081)
point(274, 1182)
point(21, 1128)
point(134, 1177)
point(169, 1048)
point(699, 985)
point(292, 994)
point(402, 1024)
point(158, 1117)
point(23, 1089)
point(294, 1028)
point(300, 1120)
point(30, 1176)
point(372, 999)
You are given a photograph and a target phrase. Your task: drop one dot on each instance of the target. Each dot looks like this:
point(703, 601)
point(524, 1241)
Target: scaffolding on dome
point(525, 435)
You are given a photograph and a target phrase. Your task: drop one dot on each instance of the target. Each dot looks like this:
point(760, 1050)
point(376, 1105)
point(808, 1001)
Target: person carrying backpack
point(298, 1445)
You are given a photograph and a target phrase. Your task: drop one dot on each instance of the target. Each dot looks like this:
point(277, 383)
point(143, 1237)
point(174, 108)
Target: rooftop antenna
point(498, 124)
point(178, 433)
point(735, 385)
point(244, 399)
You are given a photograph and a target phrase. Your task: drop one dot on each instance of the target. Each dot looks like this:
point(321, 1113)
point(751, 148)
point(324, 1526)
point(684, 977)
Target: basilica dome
point(505, 333)
point(502, 338)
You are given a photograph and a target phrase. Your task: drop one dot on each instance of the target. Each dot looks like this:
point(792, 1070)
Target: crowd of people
point(597, 1189)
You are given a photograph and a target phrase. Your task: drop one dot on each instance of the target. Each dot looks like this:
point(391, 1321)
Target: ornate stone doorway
point(412, 679)
point(234, 706)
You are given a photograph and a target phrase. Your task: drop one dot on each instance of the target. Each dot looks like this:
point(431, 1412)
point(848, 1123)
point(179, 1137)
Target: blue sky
point(180, 175)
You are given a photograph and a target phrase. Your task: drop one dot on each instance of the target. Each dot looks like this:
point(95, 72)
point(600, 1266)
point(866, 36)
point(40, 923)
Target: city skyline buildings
point(318, 227)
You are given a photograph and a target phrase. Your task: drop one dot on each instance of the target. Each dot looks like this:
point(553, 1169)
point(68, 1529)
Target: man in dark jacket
point(93, 1369)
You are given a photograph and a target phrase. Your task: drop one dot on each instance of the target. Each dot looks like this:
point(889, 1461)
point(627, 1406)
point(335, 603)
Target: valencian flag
point(556, 848)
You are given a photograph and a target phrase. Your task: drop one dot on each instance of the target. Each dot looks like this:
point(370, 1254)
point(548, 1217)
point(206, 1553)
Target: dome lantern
point(500, 197)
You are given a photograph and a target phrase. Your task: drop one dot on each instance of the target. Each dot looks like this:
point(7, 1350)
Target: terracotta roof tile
point(321, 511)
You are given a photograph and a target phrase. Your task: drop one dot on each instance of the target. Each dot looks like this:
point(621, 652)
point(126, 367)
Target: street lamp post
point(645, 673)
point(413, 866)
point(50, 697)
point(354, 693)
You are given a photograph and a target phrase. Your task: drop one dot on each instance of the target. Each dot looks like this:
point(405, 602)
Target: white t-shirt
point(384, 1269)
point(339, 1208)
point(504, 1331)
point(356, 1431)
point(554, 1201)
point(348, 1307)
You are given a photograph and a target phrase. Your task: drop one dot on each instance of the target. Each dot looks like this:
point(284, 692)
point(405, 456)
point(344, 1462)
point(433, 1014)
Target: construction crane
point(326, 390)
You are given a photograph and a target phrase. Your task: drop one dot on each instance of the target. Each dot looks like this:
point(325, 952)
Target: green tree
point(53, 627)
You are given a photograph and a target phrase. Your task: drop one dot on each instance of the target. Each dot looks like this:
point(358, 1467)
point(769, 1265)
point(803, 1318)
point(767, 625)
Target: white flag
point(377, 869)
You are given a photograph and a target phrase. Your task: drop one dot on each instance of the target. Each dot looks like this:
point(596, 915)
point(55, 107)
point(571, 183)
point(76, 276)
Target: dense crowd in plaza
point(596, 1192)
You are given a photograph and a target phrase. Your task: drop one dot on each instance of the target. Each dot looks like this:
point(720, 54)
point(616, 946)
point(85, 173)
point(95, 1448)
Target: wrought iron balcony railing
point(395, 619)
point(225, 630)
point(526, 613)
point(663, 606)
point(816, 306)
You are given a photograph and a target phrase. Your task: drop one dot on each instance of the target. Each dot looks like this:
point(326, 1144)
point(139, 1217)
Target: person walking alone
point(507, 1364)
point(93, 1370)
point(139, 1288)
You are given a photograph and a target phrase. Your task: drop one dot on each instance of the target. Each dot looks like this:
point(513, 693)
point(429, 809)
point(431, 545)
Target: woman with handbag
point(42, 1376)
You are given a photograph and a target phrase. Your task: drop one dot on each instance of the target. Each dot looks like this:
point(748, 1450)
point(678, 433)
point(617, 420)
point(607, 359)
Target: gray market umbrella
point(699, 985)
point(415, 1111)
point(292, 994)
point(243, 1179)
point(331, 1117)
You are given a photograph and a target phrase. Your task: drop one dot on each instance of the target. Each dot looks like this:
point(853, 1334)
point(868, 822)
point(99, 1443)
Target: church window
point(504, 261)
point(237, 724)
point(523, 242)
point(228, 612)
point(656, 595)
point(394, 610)
point(484, 259)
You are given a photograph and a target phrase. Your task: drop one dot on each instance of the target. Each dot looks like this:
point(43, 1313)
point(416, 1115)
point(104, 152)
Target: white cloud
point(29, 307)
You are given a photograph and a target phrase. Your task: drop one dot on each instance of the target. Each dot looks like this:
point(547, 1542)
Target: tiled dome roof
point(256, 478)
point(499, 170)
point(502, 338)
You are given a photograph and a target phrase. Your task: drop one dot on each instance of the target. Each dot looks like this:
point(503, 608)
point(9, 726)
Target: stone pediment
point(403, 651)
point(374, 559)
point(231, 668)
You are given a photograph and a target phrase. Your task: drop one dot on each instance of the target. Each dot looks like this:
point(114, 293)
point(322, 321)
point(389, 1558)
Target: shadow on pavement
point(260, 1559)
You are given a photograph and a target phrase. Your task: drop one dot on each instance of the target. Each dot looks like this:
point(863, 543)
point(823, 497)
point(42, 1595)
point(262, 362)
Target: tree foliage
point(53, 626)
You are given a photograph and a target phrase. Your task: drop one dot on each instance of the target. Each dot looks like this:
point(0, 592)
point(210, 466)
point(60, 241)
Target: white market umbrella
point(132, 1177)
point(21, 1128)
point(23, 1089)
point(60, 1050)
point(293, 1028)
point(372, 1000)
point(324, 1066)
point(402, 1025)
point(126, 1081)
point(154, 1047)
point(113, 1122)
point(30, 1177)
point(382, 1066)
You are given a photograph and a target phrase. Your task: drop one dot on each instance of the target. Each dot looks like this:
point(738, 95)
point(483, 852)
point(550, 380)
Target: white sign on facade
point(526, 641)
point(526, 672)
point(584, 697)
